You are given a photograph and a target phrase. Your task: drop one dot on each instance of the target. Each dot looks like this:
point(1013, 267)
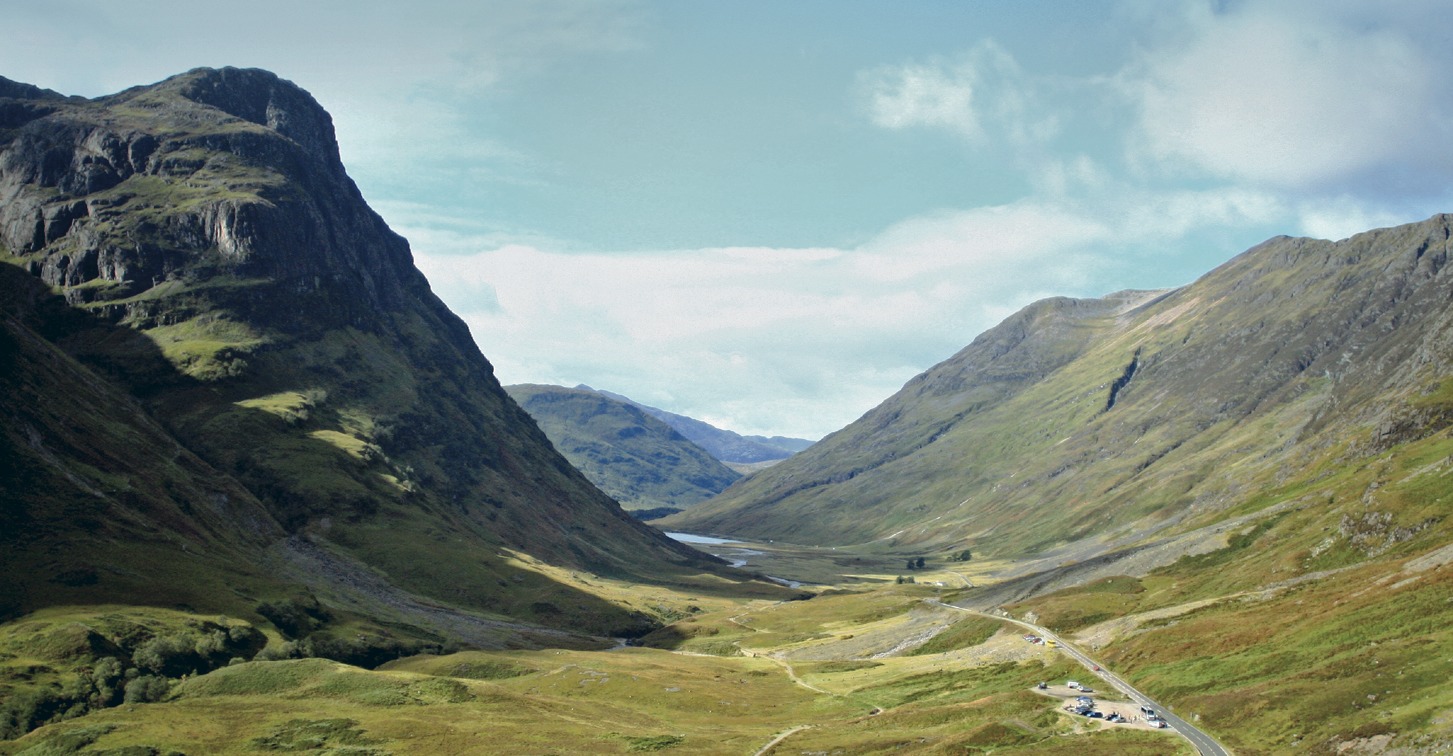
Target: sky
point(770, 215)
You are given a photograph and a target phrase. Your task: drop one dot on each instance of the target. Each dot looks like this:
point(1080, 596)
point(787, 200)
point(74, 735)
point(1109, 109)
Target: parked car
point(1149, 712)
point(1072, 685)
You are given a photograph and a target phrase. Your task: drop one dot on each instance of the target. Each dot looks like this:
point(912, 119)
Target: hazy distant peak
point(725, 445)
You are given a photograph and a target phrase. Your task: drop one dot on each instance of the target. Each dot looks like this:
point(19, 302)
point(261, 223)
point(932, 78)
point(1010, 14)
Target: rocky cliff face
point(233, 172)
point(218, 265)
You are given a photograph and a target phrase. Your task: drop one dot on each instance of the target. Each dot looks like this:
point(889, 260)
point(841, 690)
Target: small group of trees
point(139, 666)
point(917, 563)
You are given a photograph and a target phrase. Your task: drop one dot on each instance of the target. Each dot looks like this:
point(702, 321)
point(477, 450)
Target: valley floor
point(873, 667)
point(869, 665)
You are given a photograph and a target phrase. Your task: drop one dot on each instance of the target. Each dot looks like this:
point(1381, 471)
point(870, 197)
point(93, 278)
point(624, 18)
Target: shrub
point(295, 617)
point(147, 689)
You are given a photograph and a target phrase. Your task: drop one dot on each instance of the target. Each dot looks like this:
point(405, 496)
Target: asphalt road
point(1202, 742)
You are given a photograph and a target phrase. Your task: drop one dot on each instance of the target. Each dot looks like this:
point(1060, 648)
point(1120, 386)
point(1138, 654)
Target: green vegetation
point(57, 665)
point(629, 700)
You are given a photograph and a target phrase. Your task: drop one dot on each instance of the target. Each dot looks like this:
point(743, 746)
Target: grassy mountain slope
point(634, 457)
point(91, 487)
point(1095, 422)
point(218, 266)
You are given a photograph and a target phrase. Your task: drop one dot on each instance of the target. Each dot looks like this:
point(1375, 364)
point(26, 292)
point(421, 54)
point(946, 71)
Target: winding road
point(1202, 742)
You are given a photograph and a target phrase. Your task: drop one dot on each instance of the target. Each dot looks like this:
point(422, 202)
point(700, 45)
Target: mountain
point(228, 389)
point(1077, 427)
point(629, 454)
point(727, 446)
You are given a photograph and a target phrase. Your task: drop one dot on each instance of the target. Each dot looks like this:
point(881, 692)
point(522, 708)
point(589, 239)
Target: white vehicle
point(1072, 685)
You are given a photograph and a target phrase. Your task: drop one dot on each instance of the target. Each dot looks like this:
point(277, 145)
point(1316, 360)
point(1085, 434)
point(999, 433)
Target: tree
point(920, 563)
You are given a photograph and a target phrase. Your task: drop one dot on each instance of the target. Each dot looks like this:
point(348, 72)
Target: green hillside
point(1079, 426)
point(627, 453)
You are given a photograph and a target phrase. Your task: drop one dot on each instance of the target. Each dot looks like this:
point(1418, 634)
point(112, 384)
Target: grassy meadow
point(833, 674)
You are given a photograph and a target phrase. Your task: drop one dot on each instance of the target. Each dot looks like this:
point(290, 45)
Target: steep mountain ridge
point(1095, 422)
point(218, 265)
point(628, 453)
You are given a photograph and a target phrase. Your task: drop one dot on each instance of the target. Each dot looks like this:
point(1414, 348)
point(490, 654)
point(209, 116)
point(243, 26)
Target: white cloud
point(1340, 217)
point(981, 91)
point(1293, 97)
point(795, 341)
point(923, 95)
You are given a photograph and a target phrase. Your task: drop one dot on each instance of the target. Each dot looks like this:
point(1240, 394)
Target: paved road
point(1202, 742)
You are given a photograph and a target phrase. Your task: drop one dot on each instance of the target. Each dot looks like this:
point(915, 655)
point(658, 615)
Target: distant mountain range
point(727, 446)
point(641, 461)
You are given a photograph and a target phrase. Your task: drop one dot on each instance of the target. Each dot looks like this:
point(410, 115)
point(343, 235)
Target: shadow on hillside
point(98, 511)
